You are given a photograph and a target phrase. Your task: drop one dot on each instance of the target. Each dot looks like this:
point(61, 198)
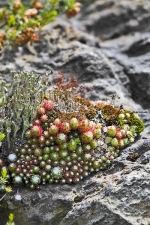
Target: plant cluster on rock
point(69, 137)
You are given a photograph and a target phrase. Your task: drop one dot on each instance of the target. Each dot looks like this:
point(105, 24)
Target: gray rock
point(62, 49)
point(113, 18)
point(116, 61)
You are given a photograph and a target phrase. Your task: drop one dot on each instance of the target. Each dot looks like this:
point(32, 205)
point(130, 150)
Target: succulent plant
point(72, 142)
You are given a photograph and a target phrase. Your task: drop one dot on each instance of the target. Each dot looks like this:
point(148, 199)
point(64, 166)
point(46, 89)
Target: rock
point(123, 27)
point(107, 47)
point(112, 19)
point(131, 67)
point(64, 48)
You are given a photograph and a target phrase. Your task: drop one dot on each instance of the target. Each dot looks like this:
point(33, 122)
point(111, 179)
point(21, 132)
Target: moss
point(110, 113)
point(86, 108)
point(68, 115)
point(133, 120)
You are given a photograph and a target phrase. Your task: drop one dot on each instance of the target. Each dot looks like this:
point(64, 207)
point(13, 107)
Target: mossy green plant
point(132, 119)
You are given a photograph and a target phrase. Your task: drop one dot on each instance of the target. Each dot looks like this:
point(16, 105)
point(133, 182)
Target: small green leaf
point(11, 217)
point(2, 136)
point(4, 173)
point(12, 20)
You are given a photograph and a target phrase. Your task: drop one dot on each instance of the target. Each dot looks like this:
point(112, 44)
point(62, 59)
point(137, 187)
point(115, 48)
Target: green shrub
point(20, 21)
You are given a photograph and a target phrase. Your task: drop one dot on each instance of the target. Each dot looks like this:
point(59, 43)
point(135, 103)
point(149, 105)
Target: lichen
point(18, 102)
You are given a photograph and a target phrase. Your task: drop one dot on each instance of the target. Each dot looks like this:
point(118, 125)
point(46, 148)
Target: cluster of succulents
point(55, 152)
point(119, 137)
point(66, 151)
point(70, 138)
point(125, 133)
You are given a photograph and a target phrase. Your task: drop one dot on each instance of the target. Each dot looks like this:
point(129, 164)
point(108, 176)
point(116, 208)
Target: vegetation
point(2, 136)
point(19, 100)
point(20, 21)
point(4, 180)
point(10, 219)
point(67, 137)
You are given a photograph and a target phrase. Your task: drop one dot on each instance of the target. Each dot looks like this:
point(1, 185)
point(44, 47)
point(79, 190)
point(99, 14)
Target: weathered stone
point(118, 64)
point(113, 18)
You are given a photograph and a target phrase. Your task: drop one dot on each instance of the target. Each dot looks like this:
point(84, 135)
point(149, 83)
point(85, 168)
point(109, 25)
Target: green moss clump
point(132, 119)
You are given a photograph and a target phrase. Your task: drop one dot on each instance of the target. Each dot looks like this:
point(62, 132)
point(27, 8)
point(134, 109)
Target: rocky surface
point(107, 46)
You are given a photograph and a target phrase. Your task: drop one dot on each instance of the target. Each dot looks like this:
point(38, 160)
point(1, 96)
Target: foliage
point(20, 21)
point(68, 137)
point(2, 136)
point(19, 100)
point(10, 219)
point(3, 180)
